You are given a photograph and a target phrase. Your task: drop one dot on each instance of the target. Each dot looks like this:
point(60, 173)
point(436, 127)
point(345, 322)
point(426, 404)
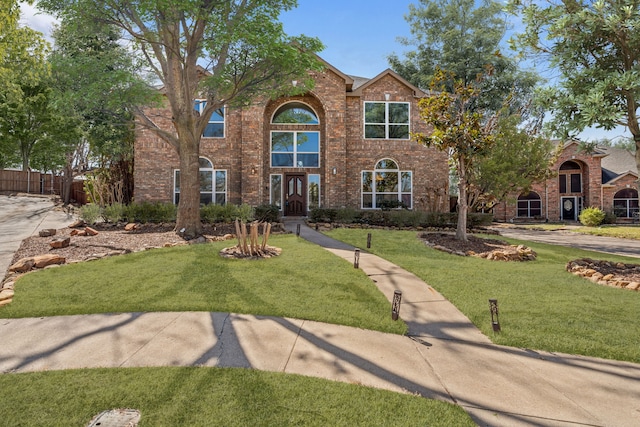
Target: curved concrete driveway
point(612, 245)
point(22, 217)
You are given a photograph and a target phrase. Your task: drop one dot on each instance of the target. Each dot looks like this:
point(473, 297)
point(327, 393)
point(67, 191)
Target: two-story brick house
point(605, 178)
point(346, 143)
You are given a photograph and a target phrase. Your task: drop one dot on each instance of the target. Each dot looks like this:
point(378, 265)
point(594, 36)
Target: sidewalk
point(444, 358)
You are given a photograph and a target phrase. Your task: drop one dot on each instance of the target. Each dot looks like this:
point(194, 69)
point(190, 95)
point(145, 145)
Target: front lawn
point(305, 282)
point(211, 396)
point(542, 306)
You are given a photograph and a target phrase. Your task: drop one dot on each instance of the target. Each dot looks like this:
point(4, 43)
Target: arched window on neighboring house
point(387, 186)
point(625, 203)
point(213, 184)
point(529, 205)
point(570, 177)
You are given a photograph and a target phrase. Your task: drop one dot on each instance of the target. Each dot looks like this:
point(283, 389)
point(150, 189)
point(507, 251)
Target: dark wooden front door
point(295, 195)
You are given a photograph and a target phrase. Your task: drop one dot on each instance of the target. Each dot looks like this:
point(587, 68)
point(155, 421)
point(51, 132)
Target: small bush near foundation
point(113, 213)
point(592, 217)
point(146, 212)
point(90, 213)
point(212, 213)
point(267, 213)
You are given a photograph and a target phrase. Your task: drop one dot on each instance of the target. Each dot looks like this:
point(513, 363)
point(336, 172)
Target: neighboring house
point(605, 178)
point(347, 143)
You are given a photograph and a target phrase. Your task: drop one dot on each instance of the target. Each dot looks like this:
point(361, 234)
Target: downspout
point(546, 201)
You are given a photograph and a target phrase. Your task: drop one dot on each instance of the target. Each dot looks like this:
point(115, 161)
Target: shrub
point(151, 212)
point(212, 213)
point(591, 217)
point(267, 213)
point(90, 213)
point(113, 212)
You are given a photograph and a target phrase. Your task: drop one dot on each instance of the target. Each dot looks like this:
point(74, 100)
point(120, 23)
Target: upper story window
point(295, 113)
point(386, 120)
point(570, 177)
point(215, 127)
point(295, 148)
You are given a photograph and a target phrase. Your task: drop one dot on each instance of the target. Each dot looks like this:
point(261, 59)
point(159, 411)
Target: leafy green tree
point(24, 92)
point(462, 131)
point(228, 52)
point(518, 158)
point(463, 38)
point(95, 89)
point(595, 46)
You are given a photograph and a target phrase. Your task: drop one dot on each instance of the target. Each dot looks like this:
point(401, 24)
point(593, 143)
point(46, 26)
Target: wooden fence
point(38, 183)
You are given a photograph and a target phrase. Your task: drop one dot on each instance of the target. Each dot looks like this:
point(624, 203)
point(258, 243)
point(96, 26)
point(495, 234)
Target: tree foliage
point(227, 52)
point(595, 46)
point(519, 157)
point(24, 93)
point(463, 38)
point(95, 89)
point(464, 132)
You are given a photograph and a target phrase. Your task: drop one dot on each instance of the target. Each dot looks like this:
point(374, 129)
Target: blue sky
point(358, 35)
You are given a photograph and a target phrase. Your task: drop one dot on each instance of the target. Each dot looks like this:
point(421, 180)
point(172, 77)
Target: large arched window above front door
point(213, 184)
point(295, 113)
point(291, 148)
point(386, 186)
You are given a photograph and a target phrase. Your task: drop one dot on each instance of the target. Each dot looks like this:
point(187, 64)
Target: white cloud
point(36, 20)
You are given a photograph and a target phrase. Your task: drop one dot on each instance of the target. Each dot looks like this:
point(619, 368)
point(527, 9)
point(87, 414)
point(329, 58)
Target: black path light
point(493, 308)
point(297, 230)
point(356, 258)
point(368, 240)
point(395, 306)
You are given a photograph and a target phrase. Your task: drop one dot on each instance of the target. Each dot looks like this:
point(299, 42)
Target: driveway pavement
point(612, 245)
point(24, 216)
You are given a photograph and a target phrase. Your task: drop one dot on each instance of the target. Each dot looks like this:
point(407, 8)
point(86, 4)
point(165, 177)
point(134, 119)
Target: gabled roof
point(364, 83)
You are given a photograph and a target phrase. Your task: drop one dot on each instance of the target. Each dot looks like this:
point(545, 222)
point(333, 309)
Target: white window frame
point(199, 105)
point(528, 207)
point(214, 192)
point(271, 199)
point(373, 191)
point(316, 176)
point(386, 123)
point(630, 211)
point(295, 151)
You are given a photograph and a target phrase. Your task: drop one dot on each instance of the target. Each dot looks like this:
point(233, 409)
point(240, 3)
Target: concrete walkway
point(445, 357)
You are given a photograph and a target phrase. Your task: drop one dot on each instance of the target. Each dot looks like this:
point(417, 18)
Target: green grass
point(621, 231)
point(626, 232)
point(211, 396)
point(305, 282)
point(542, 306)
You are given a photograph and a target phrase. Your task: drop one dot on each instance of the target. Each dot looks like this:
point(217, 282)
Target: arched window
point(386, 186)
point(529, 205)
point(213, 184)
point(570, 177)
point(295, 148)
point(295, 113)
point(625, 203)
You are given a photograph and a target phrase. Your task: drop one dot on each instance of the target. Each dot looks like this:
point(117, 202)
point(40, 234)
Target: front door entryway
point(569, 208)
point(295, 195)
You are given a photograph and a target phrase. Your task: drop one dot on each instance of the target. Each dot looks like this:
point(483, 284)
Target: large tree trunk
point(67, 183)
point(461, 229)
point(188, 221)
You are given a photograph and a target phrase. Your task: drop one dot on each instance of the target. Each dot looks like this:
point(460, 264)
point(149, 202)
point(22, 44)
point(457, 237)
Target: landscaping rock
point(91, 231)
point(5, 302)
point(605, 273)
point(131, 226)
point(41, 261)
point(60, 243)
point(23, 265)
point(6, 294)
point(47, 232)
